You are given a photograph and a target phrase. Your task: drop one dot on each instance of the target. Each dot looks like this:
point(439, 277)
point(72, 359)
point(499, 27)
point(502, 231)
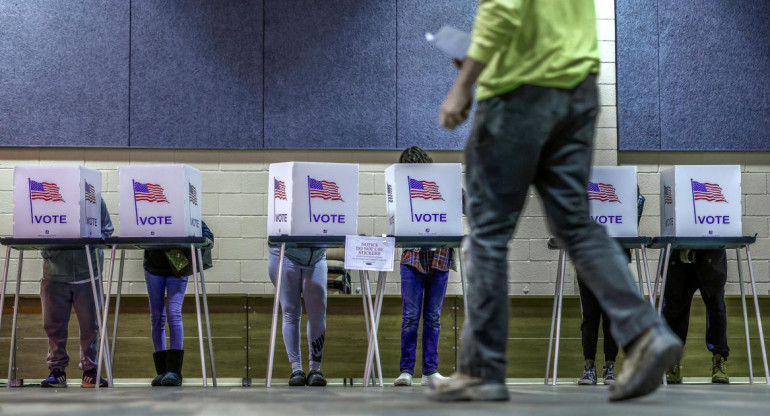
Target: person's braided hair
point(414, 154)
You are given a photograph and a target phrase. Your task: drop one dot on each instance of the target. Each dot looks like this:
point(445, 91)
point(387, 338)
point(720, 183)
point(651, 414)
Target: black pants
point(592, 314)
point(541, 136)
point(709, 274)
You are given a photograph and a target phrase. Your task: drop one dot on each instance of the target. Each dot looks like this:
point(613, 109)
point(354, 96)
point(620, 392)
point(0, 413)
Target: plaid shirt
point(426, 259)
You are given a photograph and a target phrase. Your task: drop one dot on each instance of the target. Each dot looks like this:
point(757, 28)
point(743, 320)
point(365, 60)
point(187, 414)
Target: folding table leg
point(563, 261)
point(745, 315)
point(117, 308)
point(274, 322)
point(198, 314)
point(12, 359)
point(208, 320)
point(373, 331)
point(381, 278)
point(103, 346)
point(556, 296)
point(759, 317)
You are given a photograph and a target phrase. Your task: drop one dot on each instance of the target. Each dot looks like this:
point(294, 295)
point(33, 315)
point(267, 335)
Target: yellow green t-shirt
point(550, 43)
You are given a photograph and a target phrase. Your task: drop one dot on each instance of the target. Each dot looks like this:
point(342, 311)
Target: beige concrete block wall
point(235, 201)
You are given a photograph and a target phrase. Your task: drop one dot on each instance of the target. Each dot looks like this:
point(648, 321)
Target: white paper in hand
point(452, 41)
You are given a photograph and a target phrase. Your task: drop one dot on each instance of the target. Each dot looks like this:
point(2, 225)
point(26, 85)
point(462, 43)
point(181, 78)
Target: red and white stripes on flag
point(604, 192)
point(424, 190)
point(45, 191)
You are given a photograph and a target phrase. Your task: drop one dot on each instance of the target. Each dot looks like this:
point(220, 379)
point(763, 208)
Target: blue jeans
point(421, 292)
point(157, 286)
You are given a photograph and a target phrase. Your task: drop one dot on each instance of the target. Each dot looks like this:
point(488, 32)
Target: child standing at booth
point(166, 273)
point(66, 284)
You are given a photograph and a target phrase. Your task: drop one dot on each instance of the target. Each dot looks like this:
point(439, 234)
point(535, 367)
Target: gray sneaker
point(589, 376)
point(656, 350)
point(462, 387)
point(609, 374)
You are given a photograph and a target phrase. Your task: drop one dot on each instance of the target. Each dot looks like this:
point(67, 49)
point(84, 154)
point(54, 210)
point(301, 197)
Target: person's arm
point(494, 26)
point(107, 228)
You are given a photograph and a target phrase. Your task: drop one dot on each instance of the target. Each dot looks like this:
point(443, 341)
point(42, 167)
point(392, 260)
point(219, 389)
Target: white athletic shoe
point(432, 379)
point(405, 379)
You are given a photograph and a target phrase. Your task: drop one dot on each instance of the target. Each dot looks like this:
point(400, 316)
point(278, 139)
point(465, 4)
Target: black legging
point(589, 328)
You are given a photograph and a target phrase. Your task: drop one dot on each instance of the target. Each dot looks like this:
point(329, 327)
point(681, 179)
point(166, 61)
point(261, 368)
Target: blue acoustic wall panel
point(196, 73)
point(64, 73)
point(425, 74)
point(330, 74)
point(637, 75)
point(715, 75)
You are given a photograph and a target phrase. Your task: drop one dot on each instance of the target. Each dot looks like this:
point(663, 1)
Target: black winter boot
point(160, 366)
point(174, 360)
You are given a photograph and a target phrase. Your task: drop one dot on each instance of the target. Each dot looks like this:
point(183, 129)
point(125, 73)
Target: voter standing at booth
point(66, 284)
point(166, 273)
point(304, 277)
point(424, 277)
point(704, 270)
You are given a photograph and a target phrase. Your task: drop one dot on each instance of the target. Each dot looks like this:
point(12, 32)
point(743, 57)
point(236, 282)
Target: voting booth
point(56, 202)
point(701, 201)
point(424, 199)
point(612, 197)
point(312, 199)
point(159, 201)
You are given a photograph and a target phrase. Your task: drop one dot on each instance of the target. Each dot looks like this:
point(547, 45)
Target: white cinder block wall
point(235, 202)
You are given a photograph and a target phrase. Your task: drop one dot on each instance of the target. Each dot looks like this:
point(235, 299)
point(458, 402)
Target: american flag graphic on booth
point(45, 191)
point(280, 189)
point(704, 191)
point(424, 190)
point(148, 192)
point(193, 194)
point(605, 192)
point(324, 189)
point(667, 198)
point(90, 193)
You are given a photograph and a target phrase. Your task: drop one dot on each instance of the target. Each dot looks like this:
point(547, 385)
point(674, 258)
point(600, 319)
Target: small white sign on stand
point(312, 199)
point(424, 199)
point(159, 201)
point(369, 253)
point(612, 195)
point(701, 201)
point(57, 202)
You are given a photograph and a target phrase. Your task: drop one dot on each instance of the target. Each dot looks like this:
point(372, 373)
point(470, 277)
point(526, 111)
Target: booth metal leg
point(373, 343)
point(367, 378)
point(105, 298)
point(563, 262)
point(663, 278)
point(208, 319)
point(97, 298)
point(658, 275)
point(6, 264)
point(647, 275)
point(12, 358)
point(745, 315)
point(104, 346)
point(556, 296)
point(639, 277)
point(759, 317)
point(198, 314)
point(274, 322)
point(117, 308)
point(381, 278)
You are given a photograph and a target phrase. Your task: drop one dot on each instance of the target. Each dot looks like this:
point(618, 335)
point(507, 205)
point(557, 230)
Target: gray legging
point(298, 280)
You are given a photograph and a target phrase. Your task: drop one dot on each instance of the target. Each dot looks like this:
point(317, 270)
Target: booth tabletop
point(51, 243)
point(625, 242)
point(702, 243)
point(339, 241)
point(154, 243)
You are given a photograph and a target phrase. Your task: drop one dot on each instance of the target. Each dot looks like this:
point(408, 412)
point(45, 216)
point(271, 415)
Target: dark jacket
point(156, 262)
point(67, 266)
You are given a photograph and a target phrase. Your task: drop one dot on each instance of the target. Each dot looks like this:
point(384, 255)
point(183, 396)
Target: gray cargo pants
point(540, 136)
point(58, 300)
